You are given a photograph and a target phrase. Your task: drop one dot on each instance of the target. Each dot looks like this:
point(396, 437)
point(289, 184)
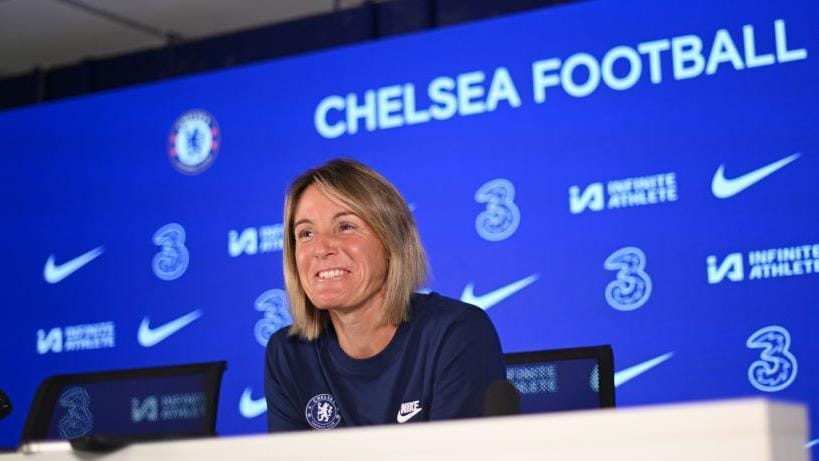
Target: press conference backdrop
point(637, 173)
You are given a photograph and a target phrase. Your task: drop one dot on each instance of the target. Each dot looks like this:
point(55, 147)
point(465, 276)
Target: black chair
point(127, 405)
point(562, 379)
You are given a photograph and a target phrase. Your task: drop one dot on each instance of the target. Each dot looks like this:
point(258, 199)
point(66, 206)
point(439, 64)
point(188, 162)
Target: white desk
point(747, 430)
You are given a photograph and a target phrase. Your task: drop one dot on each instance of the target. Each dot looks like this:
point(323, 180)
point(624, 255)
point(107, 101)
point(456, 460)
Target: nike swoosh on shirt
point(493, 297)
point(812, 443)
point(250, 407)
point(404, 418)
point(53, 273)
point(723, 187)
point(626, 375)
point(148, 336)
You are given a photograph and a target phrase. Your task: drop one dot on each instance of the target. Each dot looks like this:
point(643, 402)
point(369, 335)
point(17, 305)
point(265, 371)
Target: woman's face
point(340, 260)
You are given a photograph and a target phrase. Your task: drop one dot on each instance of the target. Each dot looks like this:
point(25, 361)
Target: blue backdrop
point(637, 173)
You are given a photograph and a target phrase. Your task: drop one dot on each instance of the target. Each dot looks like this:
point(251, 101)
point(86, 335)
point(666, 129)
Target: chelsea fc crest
point(321, 412)
point(194, 142)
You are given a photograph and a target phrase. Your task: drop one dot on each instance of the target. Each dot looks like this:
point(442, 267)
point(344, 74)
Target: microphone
point(5, 404)
point(502, 398)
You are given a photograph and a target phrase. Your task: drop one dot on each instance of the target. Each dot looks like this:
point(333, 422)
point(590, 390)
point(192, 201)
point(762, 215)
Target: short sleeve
point(470, 360)
point(282, 413)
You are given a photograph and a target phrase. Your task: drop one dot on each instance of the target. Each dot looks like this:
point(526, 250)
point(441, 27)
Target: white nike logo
point(148, 336)
point(722, 187)
point(624, 376)
point(493, 297)
point(250, 407)
point(403, 418)
point(53, 273)
point(812, 443)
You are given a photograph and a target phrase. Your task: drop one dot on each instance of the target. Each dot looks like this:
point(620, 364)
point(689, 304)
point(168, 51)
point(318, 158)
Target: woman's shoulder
point(435, 307)
point(283, 342)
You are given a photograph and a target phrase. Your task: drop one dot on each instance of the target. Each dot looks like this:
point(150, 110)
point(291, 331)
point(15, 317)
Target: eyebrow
point(336, 216)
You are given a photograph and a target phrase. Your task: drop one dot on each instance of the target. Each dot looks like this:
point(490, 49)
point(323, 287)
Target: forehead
point(315, 203)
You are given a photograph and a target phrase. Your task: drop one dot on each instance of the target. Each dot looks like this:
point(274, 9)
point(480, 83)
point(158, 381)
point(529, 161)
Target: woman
point(363, 347)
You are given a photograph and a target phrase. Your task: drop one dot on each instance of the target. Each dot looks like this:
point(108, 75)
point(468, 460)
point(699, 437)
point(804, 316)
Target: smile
point(331, 274)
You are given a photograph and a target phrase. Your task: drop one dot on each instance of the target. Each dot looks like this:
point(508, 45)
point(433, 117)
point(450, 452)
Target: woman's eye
point(305, 233)
point(346, 226)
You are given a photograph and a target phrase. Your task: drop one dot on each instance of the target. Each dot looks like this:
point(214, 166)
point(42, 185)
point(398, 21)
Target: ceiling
point(52, 33)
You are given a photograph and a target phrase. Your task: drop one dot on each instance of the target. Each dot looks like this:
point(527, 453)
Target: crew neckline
point(377, 363)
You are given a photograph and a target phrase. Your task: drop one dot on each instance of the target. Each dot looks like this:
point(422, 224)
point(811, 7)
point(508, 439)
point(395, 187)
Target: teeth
point(324, 275)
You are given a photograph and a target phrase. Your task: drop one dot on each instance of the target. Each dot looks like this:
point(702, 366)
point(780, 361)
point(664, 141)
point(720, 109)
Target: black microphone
point(5, 404)
point(502, 398)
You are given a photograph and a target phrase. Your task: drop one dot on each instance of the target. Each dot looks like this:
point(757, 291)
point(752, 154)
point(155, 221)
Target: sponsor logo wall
point(642, 180)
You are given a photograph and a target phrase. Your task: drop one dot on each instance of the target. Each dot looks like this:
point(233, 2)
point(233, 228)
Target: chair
point(562, 379)
point(136, 404)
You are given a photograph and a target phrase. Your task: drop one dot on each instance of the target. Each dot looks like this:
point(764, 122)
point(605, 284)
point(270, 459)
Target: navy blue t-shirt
point(438, 365)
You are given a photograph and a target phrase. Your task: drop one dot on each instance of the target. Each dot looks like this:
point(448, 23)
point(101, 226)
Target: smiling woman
point(364, 348)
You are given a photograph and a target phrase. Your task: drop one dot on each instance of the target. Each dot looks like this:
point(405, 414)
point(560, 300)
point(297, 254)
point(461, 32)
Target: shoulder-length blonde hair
point(375, 200)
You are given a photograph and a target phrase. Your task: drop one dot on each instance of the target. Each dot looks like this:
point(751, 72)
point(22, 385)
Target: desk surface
point(748, 430)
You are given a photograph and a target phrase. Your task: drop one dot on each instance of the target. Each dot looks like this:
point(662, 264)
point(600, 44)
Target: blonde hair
point(375, 200)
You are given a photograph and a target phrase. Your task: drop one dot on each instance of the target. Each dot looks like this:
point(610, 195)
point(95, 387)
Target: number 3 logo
point(633, 286)
point(276, 314)
point(172, 260)
point(501, 218)
point(776, 368)
point(77, 420)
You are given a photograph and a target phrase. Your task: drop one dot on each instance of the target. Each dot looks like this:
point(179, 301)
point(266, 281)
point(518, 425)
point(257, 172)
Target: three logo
point(501, 217)
point(172, 260)
point(776, 368)
point(78, 420)
point(632, 287)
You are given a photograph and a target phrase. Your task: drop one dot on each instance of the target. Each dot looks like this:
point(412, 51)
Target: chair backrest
point(137, 404)
point(562, 379)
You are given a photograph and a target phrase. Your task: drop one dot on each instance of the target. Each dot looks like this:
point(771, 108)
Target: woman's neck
point(361, 332)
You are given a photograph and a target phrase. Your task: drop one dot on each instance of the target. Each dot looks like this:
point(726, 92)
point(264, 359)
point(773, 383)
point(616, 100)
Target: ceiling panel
point(47, 33)
point(50, 33)
point(197, 18)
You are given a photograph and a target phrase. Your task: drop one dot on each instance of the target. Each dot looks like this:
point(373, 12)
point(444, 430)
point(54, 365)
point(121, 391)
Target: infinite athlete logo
point(624, 193)
point(632, 288)
point(89, 336)
point(77, 420)
point(321, 412)
point(534, 378)
point(776, 368)
point(172, 260)
point(194, 142)
point(252, 240)
point(276, 314)
point(501, 218)
point(765, 264)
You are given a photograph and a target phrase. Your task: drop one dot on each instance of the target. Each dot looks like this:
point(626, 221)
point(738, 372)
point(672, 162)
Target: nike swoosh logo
point(404, 418)
point(722, 187)
point(493, 297)
point(148, 336)
point(812, 443)
point(626, 375)
point(250, 407)
point(53, 273)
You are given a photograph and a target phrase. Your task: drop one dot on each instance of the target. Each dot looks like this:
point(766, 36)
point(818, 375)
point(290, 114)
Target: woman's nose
point(324, 246)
